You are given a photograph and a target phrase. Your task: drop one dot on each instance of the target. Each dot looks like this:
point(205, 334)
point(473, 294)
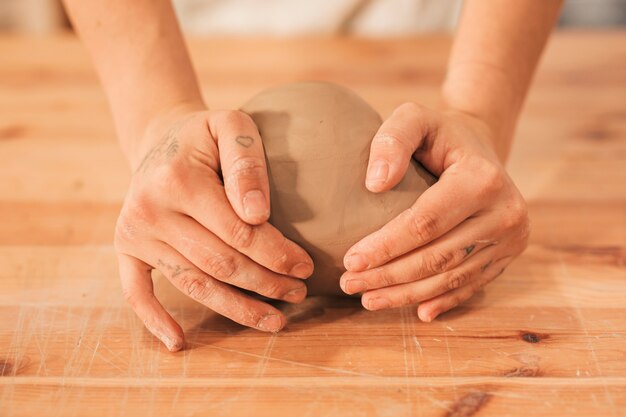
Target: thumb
point(242, 159)
point(394, 144)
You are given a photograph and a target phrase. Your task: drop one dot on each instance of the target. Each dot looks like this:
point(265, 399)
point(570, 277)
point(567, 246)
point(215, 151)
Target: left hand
point(458, 236)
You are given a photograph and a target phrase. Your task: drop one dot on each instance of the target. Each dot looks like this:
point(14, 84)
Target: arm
point(464, 230)
point(198, 201)
point(142, 61)
point(496, 49)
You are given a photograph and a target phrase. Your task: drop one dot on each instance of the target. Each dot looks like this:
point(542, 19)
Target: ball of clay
point(317, 138)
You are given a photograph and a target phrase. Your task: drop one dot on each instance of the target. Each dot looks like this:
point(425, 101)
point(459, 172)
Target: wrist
point(479, 129)
point(486, 94)
point(150, 130)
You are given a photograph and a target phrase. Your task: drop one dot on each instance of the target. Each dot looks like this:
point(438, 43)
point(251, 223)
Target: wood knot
point(532, 337)
point(469, 404)
point(523, 371)
point(6, 367)
point(12, 132)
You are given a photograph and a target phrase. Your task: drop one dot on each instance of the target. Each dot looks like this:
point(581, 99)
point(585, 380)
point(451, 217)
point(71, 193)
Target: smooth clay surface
point(317, 138)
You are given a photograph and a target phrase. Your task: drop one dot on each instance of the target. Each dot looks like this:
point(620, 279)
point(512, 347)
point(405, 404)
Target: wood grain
point(548, 338)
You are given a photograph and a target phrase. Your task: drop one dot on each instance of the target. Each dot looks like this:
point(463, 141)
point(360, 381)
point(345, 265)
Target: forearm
point(141, 58)
point(496, 49)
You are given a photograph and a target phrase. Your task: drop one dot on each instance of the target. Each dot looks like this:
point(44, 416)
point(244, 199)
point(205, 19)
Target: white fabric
point(317, 17)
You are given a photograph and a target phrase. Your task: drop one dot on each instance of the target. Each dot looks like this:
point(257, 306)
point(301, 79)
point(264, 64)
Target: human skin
point(463, 231)
point(203, 234)
point(207, 236)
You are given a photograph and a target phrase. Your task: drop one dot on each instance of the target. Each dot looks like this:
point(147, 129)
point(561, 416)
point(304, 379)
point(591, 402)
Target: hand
point(205, 234)
point(458, 236)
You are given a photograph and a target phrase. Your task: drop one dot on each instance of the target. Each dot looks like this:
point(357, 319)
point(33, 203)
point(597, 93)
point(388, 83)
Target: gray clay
point(317, 138)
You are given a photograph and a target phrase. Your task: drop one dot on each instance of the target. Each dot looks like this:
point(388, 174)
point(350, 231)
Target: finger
point(207, 252)
point(428, 310)
point(264, 244)
point(436, 257)
point(417, 291)
point(137, 288)
point(214, 294)
point(394, 144)
point(243, 165)
point(440, 208)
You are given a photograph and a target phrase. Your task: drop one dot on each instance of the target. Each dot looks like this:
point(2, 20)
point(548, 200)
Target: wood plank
point(548, 338)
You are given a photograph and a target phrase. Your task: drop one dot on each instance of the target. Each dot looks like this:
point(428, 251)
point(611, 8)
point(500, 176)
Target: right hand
point(197, 211)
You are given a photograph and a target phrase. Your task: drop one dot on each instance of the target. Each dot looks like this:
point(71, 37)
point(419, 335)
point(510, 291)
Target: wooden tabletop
point(548, 338)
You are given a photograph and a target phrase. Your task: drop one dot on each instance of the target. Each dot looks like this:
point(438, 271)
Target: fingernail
point(270, 323)
point(255, 204)
point(378, 172)
point(356, 262)
point(296, 295)
point(378, 303)
point(354, 285)
point(301, 270)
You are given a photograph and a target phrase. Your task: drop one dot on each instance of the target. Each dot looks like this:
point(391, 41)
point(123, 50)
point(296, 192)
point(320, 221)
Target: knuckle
point(273, 289)
point(516, 216)
point(410, 107)
point(197, 286)
point(220, 266)
point(385, 249)
point(409, 298)
point(455, 301)
point(137, 214)
point(246, 167)
point(392, 138)
point(439, 262)
point(139, 209)
point(125, 231)
point(171, 176)
point(493, 179)
point(520, 211)
point(230, 117)
point(130, 297)
point(422, 226)
point(235, 118)
point(383, 277)
point(457, 280)
point(242, 234)
point(281, 260)
point(394, 141)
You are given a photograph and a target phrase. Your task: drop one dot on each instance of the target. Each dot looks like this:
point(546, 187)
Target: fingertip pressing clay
point(317, 139)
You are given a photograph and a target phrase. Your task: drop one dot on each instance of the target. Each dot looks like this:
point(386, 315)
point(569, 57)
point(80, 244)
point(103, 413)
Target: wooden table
point(548, 338)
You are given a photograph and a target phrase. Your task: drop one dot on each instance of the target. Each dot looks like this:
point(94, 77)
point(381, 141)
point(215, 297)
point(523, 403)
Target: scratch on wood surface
point(594, 355)
point(409, 400)
point(418, 345)
point(379, 378)
point(125, 363)
point(266, 356)
point(290, 362)
point(95, 351)
point(451, 367)
point(422, 394)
